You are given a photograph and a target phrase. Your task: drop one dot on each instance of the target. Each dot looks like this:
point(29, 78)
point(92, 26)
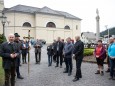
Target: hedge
point(88, 52)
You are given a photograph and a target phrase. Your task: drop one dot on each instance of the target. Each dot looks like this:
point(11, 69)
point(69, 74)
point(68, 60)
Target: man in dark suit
point(78, 55)
point(58, 51)
point(9, 53)
point(17, 41)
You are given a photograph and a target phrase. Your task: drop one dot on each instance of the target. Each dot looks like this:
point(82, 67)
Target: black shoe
point(110, 78)
point(108, 70)
point(75, 79)
point(56, 66)
point(39, 63)
point(113, 78)
point(60, 66)
point(69, 74)
point(65, 72)
point(102, 73)
point(80, 77)
point(49, 65)
point(20, 77)
point(98, 72)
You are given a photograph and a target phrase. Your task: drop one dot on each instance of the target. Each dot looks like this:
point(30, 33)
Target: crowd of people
point(60, 52)
point(101, 53)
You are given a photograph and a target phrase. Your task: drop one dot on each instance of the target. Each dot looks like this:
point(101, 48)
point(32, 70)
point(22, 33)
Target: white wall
point(39, 29)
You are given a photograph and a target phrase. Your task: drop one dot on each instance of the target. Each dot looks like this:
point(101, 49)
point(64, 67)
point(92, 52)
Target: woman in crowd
point(111, 53)
point(50, 54)
point(25, 47)
point(100, 54)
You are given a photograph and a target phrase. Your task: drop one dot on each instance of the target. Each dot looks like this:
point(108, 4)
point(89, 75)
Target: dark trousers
point(68, 62)
point(108, 62)
point(10, 76)
point(112, 67)
point(24, 57)
point(54, 58)
point(59, 58)
point(18, 68)
point(49, 60)
point(78, 68)
point(38, 59)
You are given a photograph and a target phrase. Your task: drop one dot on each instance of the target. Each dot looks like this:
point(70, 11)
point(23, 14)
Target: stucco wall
point(39, 29)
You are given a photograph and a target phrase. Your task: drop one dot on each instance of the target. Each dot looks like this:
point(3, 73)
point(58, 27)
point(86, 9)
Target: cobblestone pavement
point(42, 75)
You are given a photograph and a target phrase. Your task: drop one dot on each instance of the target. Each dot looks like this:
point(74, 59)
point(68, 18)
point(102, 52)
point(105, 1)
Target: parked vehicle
point(43, 41)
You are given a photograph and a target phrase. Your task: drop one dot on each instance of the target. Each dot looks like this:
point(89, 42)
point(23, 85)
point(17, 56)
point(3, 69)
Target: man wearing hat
point(18, 59)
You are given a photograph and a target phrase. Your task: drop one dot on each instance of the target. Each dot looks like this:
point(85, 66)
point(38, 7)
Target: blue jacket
point(26, 49)
point(111, 50)
point(68, 50)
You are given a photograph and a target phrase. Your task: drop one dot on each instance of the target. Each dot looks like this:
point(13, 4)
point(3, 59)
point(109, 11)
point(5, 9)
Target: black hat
point(16, 35)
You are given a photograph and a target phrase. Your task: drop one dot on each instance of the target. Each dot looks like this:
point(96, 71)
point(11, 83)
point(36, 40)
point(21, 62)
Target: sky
point(84, 9)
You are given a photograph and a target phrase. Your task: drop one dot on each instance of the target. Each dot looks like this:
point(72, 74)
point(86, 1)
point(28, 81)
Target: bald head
point(59, 39)
point(11, 37)
point(77, 38)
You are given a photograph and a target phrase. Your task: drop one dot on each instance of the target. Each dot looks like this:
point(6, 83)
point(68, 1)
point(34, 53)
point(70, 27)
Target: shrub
point(88, 52)
point(2, 38)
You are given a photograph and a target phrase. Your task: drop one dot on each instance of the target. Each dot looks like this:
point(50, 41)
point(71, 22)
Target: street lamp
point(3, 21)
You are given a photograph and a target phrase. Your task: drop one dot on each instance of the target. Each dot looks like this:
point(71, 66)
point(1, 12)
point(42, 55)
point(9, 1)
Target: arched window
point(26, 24)
point(66, 27)
point(51, 24)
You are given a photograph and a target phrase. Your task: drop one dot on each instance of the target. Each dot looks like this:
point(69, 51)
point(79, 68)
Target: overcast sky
point(84, 9)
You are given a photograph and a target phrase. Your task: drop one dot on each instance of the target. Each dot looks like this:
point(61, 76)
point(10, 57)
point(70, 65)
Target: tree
point(111, 32)
point(2, 38)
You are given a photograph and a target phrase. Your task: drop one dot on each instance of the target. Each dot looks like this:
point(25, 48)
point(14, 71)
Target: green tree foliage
point(2, 39)
point(111, 32)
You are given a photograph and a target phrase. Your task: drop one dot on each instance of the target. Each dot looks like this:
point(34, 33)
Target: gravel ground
point(42, 75)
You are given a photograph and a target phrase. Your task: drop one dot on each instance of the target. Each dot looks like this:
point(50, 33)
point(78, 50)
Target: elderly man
point(9, 53)
point(58, 51)
point(67, 51)
point(78, 54)
point(38, 46)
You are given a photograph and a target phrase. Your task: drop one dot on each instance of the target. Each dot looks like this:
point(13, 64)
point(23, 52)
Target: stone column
point(97, 26)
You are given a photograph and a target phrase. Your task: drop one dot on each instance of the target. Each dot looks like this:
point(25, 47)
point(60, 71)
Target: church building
point(43, 23)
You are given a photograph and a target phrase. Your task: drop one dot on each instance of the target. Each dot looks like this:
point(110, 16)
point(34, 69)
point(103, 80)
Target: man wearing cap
point(9, 53)
point(17, 41)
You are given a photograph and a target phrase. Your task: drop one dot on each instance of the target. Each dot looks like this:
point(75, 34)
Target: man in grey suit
point(67, 51)
point(9, 53)
point(38, 46)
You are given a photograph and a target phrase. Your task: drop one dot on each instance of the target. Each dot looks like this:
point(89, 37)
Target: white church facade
point(43, 23)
